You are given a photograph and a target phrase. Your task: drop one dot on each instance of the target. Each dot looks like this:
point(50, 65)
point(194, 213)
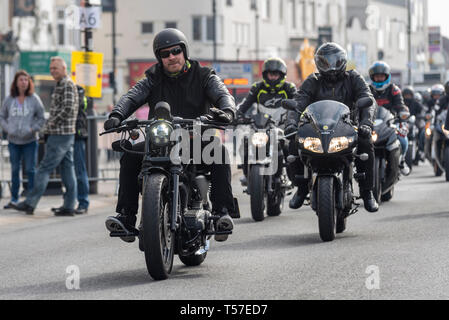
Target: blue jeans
point(404, 144)
point(59, 151)
point(18, 153)
point(82, 179)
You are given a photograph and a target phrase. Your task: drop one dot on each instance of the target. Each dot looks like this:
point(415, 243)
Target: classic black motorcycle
point(327, 142)
point(388, 152)
point(175, 215)
point(440, 147)
point(266, 183)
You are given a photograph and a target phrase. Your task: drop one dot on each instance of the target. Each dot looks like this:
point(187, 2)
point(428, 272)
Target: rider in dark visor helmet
point(331, 60)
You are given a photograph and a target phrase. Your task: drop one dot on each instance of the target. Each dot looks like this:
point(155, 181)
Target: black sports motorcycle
point(175, 215)
point(327, 142)
point(263, 152)
point(388, 152)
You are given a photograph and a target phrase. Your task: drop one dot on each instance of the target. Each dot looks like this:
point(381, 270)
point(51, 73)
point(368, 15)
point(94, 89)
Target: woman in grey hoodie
point(22, 117)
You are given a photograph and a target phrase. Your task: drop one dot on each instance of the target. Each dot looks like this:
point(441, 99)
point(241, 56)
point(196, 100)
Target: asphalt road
point(401, 252)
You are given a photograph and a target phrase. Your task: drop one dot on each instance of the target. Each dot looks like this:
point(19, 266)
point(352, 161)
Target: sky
point(438, 15)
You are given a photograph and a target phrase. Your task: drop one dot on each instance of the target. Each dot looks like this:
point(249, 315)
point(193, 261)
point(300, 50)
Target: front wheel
point(257, 193)
point(326, 208)
point(158, 238)
point(437, 170)
point(377, 191)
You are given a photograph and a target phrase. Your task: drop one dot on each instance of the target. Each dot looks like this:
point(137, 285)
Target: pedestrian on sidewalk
point(60, 130)
point(21, 118)
point(81, 137)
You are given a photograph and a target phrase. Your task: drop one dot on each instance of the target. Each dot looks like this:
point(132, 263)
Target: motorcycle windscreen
point(327, 113)
point(278, 115)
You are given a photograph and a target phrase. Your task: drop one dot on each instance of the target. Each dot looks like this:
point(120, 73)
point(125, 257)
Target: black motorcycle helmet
point(168, 38)
point(331, 61)
point(408, 91)
point(274, 65)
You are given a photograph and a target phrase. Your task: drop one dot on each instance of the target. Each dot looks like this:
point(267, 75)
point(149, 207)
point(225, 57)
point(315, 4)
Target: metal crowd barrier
point(103, 164)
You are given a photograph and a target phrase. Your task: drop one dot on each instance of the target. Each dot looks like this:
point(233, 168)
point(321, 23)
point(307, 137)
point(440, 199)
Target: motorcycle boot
point(369, 201)
point(123, 223)
point(298, 199)
point(223, 224)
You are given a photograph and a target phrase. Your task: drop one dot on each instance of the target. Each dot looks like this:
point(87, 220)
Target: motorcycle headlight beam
point(375, 136)
point(313, 144)
point(160, 134)
point(338, 144)
point(259, 139)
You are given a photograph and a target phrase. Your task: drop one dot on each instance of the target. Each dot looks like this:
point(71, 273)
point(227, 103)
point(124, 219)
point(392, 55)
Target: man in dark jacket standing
point(333, 82)
point(190, 90)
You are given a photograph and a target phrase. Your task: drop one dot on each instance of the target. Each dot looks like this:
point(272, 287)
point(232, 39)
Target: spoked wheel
point(327, 213)
point(158, 239)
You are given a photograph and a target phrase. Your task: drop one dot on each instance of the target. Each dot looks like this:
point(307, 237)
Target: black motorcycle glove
point(111, 123)
point(222, 116)
point(365, 131)
point(290, 129)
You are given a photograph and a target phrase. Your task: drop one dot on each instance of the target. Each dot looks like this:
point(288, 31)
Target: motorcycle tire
point(377, 191)
point(257, 193)
point(409, 158)
point(158, 238)
point(446, 162)
point(436, 169)
point(275, 204)
point(341, 225)
point(326, 210)
point(387, 196)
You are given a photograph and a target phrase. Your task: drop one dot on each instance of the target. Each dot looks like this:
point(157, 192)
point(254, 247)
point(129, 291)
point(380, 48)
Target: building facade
point(378, 30)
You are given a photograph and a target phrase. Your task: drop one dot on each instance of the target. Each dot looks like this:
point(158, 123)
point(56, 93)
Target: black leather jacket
point(348, 90)
point(190, 94)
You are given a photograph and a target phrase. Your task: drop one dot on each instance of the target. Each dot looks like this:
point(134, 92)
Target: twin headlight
point(336, 145)
point(160, 134)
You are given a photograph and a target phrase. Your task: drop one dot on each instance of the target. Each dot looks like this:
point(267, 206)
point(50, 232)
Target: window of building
point(281, 11)
point(203, 28)
point(229, 3)
point(147, 27)
point(292, 9)
point(265, 9)
point(171, 25)
point(197, 29)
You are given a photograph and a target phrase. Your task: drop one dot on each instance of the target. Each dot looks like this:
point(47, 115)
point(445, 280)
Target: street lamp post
point(409, 35)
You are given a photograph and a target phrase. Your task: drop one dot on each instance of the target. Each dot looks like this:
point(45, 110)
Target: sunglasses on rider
point(174, 51)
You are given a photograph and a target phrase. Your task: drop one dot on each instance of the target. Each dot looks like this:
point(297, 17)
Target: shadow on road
point(416, 216)
point(102, 282)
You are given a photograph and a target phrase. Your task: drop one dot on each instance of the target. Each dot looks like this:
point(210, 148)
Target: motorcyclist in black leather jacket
point(333, 82)
point(269, 92)
point(191, 90)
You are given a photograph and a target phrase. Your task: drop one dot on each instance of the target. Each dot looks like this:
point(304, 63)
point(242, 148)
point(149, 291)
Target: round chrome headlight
point(160, 134)
point(259, 139)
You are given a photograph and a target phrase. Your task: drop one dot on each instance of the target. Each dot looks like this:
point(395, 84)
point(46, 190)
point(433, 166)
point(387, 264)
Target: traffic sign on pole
point(87, 71)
